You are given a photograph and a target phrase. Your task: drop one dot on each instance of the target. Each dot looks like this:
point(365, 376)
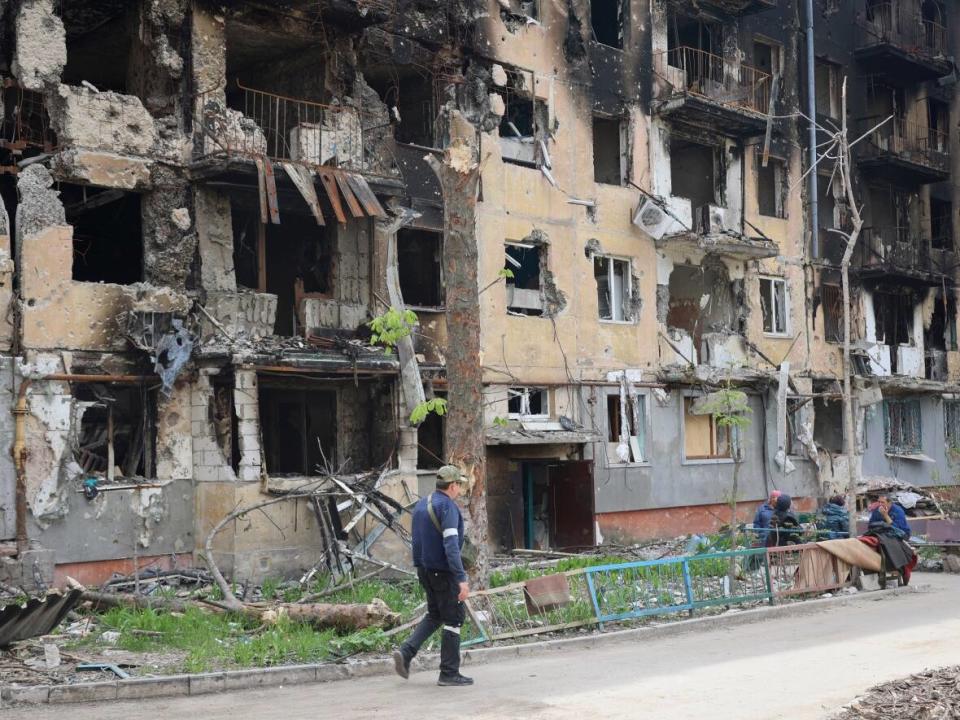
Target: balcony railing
point(695, 71)
point(896, 249)
point(893, 24)
point(26, 123)
point(290, 129)
point(914, 142)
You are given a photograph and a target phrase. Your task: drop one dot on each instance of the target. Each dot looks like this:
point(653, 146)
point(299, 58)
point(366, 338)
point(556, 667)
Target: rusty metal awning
point(38, 617)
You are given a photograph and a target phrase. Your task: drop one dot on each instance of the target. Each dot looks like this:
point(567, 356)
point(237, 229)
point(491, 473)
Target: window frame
point(627, 289)
point(526, 390)
point(623, 147)
point(643, 435)
point(510, 282)
point(779, 167)
point(951, 406)
point(774, 281)
point(733, 438)
point(913, 406)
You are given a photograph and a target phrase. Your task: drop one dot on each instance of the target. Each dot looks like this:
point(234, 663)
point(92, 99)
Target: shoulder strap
point(433, 515)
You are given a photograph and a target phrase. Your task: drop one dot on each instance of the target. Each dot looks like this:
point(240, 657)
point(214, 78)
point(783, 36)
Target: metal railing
point(26, 123)
point(701, 73)
point(911, 141)
point(896, 24)
point(288, 129)
point(893, 248)
point(623, 591)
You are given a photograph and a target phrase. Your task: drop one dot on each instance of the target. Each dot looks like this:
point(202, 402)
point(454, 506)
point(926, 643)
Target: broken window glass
point(613, 288)
point(524, 117)
point(901, 426)
point(527, 402)
point(773, 302)
point(771, 182)
point(635, 413)
point(523, 281)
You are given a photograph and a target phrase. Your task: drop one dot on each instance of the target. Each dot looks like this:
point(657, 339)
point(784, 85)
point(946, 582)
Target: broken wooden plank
point(330, 185)
point(302, 179)
point(352, 203)
point(262, 190)
point(366, 196)
point(271, 184)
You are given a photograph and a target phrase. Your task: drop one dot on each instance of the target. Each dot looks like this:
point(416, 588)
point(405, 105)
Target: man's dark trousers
point(443, 609)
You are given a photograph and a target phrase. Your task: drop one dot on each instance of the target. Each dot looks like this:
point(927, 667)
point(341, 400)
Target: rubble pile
point(924, 696)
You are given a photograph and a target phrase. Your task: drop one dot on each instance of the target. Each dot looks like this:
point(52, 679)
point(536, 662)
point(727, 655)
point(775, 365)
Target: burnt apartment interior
point(702, 300)
point(697, 173)
point(117, 430)
point(107, 234)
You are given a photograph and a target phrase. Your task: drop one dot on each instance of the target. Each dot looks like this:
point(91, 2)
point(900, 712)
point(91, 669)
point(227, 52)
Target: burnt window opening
point(694, 173)
point(606, 22)
point(702, 300)
point(409, 93)
point(902, 427)
point(828, 418)
point(431, 452)
point(942, 334)
point(831, 308)
point(939, 114)
point(766, 57)
point(614, 288)
point(828, 88)
point(528, 403)
point(107, 234)
point(223, 418)
point(634, 410)
point(524, 281)
point(299, 428)
point(246, 246)
point(117, 437)
point(772, 188)
point(99, 46)
point(420, 267)
point(795, 444)
point(687, 33)
point(524, 119)
point(774, 300)
point(25, 129)
point(941, 224)
point(893, 312)
point(609, 150)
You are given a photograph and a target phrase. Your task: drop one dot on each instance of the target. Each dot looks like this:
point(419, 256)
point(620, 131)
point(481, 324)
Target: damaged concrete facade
point(206, 203)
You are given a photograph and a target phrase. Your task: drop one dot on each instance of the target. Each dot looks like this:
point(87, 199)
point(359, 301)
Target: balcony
point(904, 152)
point(733, 8)
point(25, 128)
point(902, 252)
point(900, 45)
point(699, 88)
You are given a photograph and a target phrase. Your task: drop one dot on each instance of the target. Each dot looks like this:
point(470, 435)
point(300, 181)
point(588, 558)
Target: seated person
point(784, 525)
point(834, 518)
point(761, 520)
point(889, 516)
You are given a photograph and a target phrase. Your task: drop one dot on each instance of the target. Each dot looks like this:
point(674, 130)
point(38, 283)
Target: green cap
point(450, 474)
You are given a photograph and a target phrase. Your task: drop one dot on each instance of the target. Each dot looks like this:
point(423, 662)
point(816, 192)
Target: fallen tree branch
point(337, 588)
point(101, 600)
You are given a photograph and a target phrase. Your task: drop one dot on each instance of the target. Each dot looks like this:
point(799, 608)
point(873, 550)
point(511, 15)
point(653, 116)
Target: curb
point(205, 683)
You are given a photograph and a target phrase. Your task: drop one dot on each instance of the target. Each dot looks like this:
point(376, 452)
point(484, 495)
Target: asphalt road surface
point(797, 668)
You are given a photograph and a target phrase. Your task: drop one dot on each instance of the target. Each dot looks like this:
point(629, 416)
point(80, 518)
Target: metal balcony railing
point(25, 123)
point(892, 23)
point(289, 129)
point(893, 248)
point(911, 141)
point(695, 71)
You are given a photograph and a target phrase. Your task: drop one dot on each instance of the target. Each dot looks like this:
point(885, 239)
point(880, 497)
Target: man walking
point(437, 540)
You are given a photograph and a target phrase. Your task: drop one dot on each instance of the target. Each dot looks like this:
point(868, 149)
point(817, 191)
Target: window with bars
point(902, 430)
point(951, 424)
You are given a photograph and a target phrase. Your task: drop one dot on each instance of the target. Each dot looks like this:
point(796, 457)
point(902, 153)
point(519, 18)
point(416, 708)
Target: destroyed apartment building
point(206, 204)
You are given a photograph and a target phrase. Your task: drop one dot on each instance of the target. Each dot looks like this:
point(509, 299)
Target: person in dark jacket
point(784, 525)
point(761, 520)
point(437, 541)
point(834, 518)
point(888, 514)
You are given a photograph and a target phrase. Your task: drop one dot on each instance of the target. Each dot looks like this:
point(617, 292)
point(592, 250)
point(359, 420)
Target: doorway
point(557, 504)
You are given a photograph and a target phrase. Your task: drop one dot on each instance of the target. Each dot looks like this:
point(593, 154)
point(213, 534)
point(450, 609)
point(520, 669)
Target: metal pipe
point(812, 114)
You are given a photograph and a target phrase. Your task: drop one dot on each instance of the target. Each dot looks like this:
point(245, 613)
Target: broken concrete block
point(181, 218)
point(40, 205)
point(40, 51)
point(498, 75)
point(103, 169)
point(107, 120)
point(497, 104)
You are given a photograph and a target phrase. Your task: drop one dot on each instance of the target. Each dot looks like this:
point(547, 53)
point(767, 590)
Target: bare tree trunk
point(459, 176)
point(732, 571)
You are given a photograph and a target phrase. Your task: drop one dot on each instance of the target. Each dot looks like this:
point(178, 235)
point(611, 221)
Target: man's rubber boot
point(401, 664)
point(457, 680)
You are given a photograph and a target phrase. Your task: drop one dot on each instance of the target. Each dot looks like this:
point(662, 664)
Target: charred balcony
point(730, 8)
point(25, 128)
point(904, 152)
point(904, 41)
point(700, 88)
point(891, 251)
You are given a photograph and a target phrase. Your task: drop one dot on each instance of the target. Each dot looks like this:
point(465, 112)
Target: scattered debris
point(924, 696)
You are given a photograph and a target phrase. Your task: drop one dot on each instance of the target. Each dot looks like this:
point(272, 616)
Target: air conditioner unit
point(652, 219)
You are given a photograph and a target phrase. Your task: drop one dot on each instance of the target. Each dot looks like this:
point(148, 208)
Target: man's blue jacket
point(433, 550)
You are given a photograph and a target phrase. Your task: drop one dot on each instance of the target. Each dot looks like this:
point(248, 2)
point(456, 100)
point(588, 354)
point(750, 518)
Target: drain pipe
point(20, 413)
point(812, 114)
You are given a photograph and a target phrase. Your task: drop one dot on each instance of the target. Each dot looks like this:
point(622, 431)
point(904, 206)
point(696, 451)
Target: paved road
point(793, 669)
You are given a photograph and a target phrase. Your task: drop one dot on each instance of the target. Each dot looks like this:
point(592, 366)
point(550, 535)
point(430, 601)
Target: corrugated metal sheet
point(37, 617)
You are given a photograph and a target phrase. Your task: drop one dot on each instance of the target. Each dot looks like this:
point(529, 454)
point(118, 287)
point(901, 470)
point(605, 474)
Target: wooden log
point(376, 613)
